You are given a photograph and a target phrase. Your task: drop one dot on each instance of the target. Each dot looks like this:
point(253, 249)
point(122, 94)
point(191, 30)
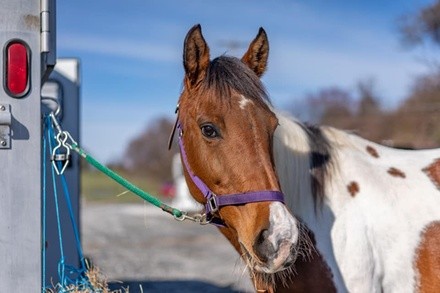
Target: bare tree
point(370, 118)
point(424, 24)
point(414, 124)
point(334, 106)
point(419, 115)
point(368, 98)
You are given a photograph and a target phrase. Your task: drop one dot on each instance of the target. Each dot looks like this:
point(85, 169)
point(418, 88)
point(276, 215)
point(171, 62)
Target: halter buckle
point(213, 203)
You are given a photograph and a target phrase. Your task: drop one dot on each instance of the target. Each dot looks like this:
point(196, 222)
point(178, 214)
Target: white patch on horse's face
point(284, 237)
point(243, 102)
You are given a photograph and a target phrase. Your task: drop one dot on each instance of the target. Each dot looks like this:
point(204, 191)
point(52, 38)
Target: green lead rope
point(124, 182)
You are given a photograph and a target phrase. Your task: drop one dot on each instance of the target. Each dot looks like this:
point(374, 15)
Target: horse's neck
point(293, 152)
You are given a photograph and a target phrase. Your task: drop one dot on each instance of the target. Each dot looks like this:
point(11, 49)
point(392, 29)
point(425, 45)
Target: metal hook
point(55, 100)
point(60, 130)
point(62, 137)
point(55, 122)
point(197, 218)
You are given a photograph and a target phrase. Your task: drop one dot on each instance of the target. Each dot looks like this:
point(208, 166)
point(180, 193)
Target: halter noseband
point(214, 202)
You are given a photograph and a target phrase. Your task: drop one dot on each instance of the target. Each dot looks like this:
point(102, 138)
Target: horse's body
point(375, 204)
point(356, 217)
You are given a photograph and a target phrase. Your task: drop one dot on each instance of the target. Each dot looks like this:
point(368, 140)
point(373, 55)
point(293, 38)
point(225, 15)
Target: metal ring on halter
point(182, 217)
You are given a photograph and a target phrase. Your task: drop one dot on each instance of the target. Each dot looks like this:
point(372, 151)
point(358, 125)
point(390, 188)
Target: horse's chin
point(266, 277)
point(275, 267)
point(284, 260)
point(268, 270)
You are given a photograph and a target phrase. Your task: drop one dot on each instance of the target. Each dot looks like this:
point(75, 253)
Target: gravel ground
point(149, 251)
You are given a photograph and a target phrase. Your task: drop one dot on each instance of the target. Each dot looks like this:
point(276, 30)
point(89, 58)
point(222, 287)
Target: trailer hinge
point(5, 126)
point(45, 26)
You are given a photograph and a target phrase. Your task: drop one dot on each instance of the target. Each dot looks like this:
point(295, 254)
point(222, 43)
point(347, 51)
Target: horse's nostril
point(263, 248)
point(263, 235)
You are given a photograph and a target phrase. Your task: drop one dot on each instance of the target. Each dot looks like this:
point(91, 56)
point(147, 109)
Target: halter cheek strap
point(214, 202)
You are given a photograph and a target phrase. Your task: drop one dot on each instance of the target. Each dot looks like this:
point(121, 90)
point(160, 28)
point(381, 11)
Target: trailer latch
point(5, 126)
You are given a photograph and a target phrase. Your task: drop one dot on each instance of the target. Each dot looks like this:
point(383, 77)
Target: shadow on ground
point(170, 286)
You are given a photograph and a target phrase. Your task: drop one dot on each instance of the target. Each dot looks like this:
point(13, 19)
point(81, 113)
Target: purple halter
point(214, 202)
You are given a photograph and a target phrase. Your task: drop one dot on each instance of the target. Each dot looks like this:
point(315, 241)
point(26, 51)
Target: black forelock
point(227, 73)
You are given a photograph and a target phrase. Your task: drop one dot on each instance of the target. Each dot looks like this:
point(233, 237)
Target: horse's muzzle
point(274, 246)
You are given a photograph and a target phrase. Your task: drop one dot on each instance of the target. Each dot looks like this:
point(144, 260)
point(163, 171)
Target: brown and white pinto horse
point(357, 217)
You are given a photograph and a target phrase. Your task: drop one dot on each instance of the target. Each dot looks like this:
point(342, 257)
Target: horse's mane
point(226, 74)
point(305, 158)
point(320, 155)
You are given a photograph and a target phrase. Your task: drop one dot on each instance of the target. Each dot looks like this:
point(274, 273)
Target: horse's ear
point(195, 56)
point(257, 53)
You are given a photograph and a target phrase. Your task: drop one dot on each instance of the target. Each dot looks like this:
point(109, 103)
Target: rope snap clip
point(61, 153)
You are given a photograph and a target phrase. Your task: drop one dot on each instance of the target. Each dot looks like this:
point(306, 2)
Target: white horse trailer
point(27, 41)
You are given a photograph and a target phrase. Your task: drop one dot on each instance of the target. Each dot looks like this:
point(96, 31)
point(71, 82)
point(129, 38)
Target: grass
point(97, 187)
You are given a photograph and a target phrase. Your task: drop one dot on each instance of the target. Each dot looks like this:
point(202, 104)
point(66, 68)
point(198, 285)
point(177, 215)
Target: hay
point(97, 284)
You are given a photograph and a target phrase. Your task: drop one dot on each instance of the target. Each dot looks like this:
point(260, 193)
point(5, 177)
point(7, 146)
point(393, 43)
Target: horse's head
point(227, 128)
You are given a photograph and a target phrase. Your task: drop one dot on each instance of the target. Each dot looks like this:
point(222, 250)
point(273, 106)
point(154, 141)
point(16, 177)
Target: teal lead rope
point(124, 182)
point(68, 275)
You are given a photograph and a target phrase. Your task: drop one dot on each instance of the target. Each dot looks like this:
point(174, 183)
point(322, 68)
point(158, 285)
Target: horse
point(308, 208)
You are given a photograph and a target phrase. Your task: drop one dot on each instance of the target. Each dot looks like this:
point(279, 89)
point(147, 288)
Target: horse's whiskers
point(244, 268)
point(305, 247)
point(304, 250)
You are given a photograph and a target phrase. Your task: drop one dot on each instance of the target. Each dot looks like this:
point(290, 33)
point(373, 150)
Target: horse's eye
point(209, 131)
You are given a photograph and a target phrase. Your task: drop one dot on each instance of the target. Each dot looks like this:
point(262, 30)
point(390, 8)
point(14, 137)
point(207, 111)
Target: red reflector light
point(17, 71)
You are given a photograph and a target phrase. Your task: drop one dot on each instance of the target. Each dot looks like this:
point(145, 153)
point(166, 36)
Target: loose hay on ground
point(98, 284)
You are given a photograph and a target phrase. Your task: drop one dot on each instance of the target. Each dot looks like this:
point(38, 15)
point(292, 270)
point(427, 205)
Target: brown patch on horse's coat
point(396, 172)
point(433, 172)
point(353, 188)
point(428, 259)
point(372, 151)
point(313, 273)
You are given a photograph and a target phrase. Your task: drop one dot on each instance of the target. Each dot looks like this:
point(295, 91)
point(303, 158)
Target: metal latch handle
point(5, 126)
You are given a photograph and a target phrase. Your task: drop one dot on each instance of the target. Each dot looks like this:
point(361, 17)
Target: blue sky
point(131, 52)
